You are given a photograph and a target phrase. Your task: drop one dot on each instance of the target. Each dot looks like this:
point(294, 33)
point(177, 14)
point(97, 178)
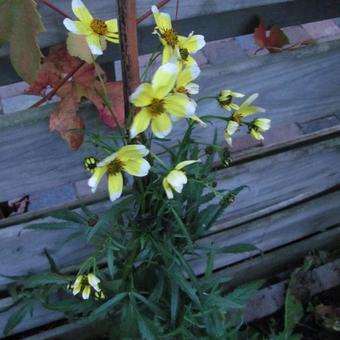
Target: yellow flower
point(158, 103)
point(95, 30)
point(258, 126)
point(129, 159)
point(176, 179)
point(243, 111)
point(225, 99)
point(230, 129)
point(246, 109)
point(184, 82)
point(175, 45)
point(86, 283)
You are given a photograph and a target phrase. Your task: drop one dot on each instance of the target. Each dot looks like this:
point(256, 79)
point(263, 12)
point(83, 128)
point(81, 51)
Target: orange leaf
point(67, 122)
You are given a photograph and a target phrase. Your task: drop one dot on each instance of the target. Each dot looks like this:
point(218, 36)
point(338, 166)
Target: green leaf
point(37, 280)
point(110, 263)
point(236, 248)
point(53, 226)
point(15, 319)
point(107, 306)
point(240, 296)
point(293, 312)
point(144, 328)
point(182, 227)
point(68, 215)
point(20, 24)
point(149, 304)
point(174, 302)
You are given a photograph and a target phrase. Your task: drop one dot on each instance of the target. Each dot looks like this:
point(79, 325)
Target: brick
point(281, 134)
point(82, 188)
point(241, 143)
point(12, 90)
point(52, 197)
point(248, 44)
point(322, 28)
point(21, 102)
point(319, 124)
point(296, 34)
point(224, 51)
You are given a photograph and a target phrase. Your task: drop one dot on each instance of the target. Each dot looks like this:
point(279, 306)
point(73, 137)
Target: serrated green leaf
point(21, 23)
point(15, 319)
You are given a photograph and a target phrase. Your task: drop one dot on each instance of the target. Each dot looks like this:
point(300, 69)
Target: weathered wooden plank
point(306, 172)
point(271, 299)
point(275, 230)
point(313, 76)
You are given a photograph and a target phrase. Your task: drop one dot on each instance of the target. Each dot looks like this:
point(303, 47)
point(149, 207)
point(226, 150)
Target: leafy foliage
point(19, 25)
point(107, 96)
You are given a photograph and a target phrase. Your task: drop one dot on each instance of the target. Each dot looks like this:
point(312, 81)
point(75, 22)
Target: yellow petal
point(188, 74)
point(142, 96)
point(140, 122)
point(81, 12)
point(180, 105)
point(192, 43)
point(167, 189)
point(177, 179)
point(137, 167)
point(163, 20)
point(256, 135)
point(181, 165)
point(115, 184)
point(164, 80)
point(132, 151)
point(93, 281)
point(77, 27)
point(86, 292)
point(112, 26)
point(168, 53)
point(96, 177)
point(93, 40)
point(161, 125)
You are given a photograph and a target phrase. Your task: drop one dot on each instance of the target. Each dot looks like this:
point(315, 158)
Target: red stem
point(54, 8)
point(55, 90)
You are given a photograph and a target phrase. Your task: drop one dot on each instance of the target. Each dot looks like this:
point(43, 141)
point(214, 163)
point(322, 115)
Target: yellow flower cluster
point(85, 284)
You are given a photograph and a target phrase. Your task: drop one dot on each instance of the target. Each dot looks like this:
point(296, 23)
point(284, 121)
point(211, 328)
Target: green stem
point(205, 98)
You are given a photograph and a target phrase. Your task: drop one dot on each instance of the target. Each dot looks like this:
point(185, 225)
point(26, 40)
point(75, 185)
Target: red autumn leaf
point(83, 83)
point(115, 93)
point(66, 121)
point(276, 39)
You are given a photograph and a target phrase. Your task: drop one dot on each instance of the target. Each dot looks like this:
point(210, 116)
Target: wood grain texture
point(313, 76)
point(306, 170)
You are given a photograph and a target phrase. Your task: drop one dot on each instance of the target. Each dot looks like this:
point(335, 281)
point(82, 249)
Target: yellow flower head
point(184, 82)
point(246, 109)
point(86, 283)
point(129, 159)
point(258, 126)
point(158, 103)
point(176, 179)
point(225, 99)
point(95, 30)
point(175, 45)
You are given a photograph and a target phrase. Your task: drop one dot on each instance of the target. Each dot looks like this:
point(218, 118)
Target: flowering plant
point(138, 276)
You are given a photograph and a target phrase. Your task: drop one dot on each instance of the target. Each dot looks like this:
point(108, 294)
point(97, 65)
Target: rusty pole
point(128, 47)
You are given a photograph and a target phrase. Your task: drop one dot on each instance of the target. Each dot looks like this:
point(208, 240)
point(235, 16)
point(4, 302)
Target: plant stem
point(204, 98)
point(55, 90)
point(54, 8)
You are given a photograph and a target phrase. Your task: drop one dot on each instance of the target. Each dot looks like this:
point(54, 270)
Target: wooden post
point(128, 47)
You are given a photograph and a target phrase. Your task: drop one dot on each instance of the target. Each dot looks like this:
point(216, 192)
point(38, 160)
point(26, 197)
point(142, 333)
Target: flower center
point(184, 53)
point(99, 26)
point(182, 89)
point(156, 107)
point(115, 166)
point(170, 36)
point(226, 101)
